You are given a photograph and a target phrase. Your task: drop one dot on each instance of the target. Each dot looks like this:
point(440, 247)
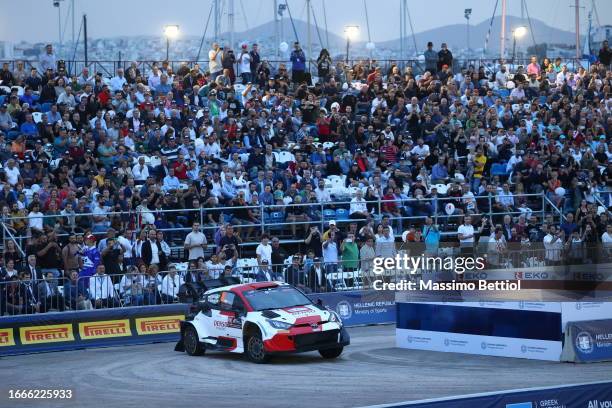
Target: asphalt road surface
point(371, 371)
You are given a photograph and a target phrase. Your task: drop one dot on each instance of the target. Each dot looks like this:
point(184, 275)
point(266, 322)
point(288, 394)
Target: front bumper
point(299, 343)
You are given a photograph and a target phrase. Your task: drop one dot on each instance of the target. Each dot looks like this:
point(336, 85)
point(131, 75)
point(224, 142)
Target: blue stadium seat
point(342, 214)
point(275, 218)
point(2, 98)
point(329, 215)
point(499, 169)
point(503, 93)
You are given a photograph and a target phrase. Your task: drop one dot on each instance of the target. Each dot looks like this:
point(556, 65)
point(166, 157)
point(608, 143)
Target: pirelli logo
point(104, 329)
point(46, 334)
point(7, 338)
point(158, 325)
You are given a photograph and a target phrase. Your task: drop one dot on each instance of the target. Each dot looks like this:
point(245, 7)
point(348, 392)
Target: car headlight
point(333, 317)
point(277, 324)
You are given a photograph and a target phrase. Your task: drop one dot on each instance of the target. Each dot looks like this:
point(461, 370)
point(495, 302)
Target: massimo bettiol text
point(409, 265)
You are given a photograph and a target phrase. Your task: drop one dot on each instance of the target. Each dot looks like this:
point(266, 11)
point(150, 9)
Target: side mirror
point(203, 306)
point(240, 310)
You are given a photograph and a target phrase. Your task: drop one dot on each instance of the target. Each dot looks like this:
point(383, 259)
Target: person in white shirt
point(385, 244)
point(170, 285)
point(359, 208)
point(116, 82)
point(214, 58)
point(497, 248)
point(264, 250)
point(101, 289)
point(35, 218)
point(554, 244)
point(140, 171)
point(12, 172)
point(195, 242)
point(322, 194)
point(126, 240)
point(501, 77)
point(154, 79)
point(245, 64)
point(606, 240)
point(421, 150)
point(505, 199)
point(465, 233)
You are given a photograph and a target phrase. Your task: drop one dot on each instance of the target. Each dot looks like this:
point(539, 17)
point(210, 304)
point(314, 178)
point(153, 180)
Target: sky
point(37, 20)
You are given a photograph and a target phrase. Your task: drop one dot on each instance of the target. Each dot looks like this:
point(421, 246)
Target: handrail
point(7, 231)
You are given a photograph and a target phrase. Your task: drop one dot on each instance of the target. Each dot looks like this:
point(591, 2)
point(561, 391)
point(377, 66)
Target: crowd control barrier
point(592, 395)
point(588, 341)
point(44, 332)
point(95, 328)
point(357, 308)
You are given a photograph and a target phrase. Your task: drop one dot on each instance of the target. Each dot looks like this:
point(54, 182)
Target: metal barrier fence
point(109, 67)
point(149, 287)
point(279, 217)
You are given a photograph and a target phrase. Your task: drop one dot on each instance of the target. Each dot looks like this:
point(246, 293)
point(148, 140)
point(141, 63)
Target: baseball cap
point(90, 237)
point(332, 222)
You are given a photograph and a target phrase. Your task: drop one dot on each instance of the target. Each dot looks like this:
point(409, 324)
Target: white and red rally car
point(262, 319)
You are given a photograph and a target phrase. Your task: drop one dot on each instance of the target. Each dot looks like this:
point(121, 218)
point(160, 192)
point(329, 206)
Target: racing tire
point(331, 353)
point(191, 342)
point(255, 350)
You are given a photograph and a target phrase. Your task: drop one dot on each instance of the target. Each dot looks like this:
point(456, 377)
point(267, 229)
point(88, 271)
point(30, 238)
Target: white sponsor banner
point(583, 311)
point(581, 273)
point(476, 344)
point(554, 307)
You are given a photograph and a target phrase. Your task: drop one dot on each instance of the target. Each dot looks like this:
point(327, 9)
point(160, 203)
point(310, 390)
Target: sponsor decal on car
point(46, 334)
point(104, 329)
point(299, 310)
point(6, 337)
point(158, 325)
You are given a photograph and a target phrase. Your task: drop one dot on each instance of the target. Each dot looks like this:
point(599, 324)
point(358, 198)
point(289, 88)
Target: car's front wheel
point(255, 350)
point(331, 353)
point(191, 341)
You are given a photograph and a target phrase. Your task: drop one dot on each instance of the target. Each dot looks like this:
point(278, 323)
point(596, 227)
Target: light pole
point(170, 31)
point(466, 13)
point(56, 4)
point(351, 32)
point(519, 32)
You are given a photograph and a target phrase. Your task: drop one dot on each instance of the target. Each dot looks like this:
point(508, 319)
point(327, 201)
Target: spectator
point(264, 249)
point(49, 295)
point(170, 285)
point(101, 290)
point(431, 59)
point(350, 253)
point(195, 242)
point(298, 64)
point(605, 54)
point(445, 58)
point(47, 59)
point(76, 293)
point(266, 274)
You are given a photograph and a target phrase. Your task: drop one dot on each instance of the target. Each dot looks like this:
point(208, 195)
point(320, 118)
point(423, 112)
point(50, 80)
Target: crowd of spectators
point(102, 176)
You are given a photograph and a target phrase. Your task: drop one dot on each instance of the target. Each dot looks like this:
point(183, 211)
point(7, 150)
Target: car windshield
point(276, 298)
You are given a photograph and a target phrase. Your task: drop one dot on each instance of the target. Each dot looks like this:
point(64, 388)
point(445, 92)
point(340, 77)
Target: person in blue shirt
point(29, 127)
point(439, 172)
point(91, 259)
point(431, 236)
point(298, 64)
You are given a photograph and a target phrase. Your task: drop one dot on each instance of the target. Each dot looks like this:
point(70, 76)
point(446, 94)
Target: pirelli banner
point(94, 328)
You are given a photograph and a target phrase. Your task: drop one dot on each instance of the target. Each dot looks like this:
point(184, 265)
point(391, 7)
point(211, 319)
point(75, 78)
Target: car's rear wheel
point(255, 350)
point(192, 344)
point(331, 353)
